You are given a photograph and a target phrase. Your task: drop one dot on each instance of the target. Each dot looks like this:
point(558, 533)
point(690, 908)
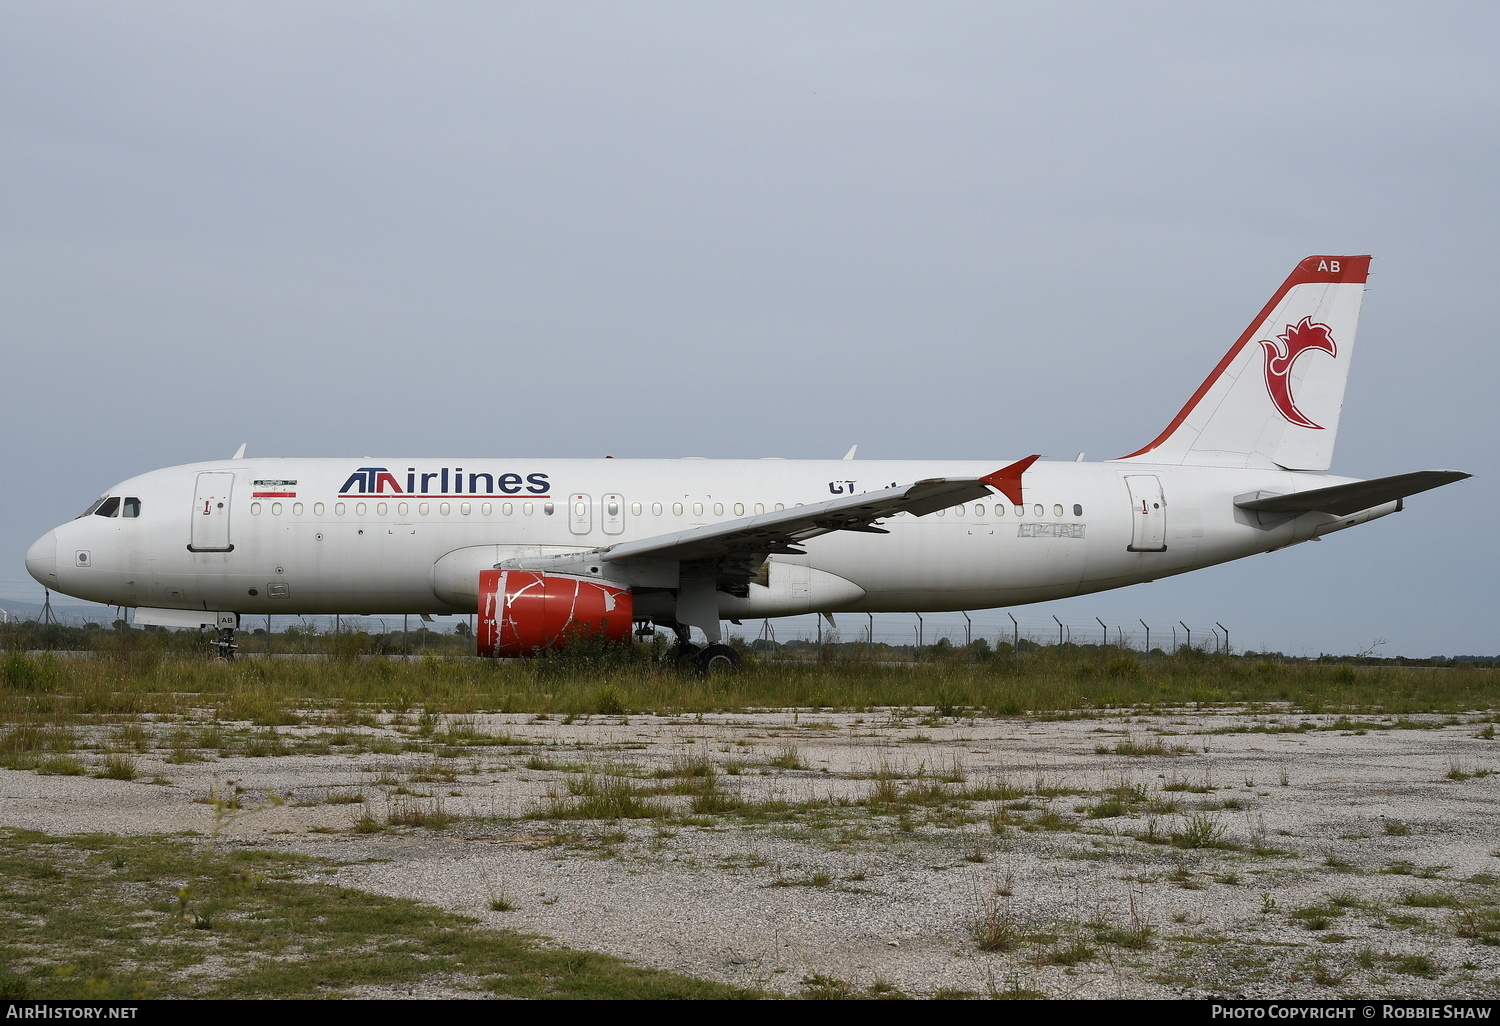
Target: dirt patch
point(1186, 854)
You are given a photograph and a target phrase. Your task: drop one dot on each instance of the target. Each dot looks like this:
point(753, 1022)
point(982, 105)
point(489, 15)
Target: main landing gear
point(706, 662)
point(716, 659)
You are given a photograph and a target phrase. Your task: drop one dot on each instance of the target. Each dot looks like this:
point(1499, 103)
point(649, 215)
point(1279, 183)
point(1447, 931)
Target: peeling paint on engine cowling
point(526, 613)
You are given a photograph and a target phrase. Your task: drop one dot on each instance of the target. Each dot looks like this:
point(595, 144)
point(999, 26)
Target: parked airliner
point(545, 550)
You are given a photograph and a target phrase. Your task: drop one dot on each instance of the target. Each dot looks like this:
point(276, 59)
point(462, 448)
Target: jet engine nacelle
point(525, 612)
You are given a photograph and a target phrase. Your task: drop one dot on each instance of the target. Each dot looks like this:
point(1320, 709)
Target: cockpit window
point(132, 507)
point(109, 507)
point(92, 507)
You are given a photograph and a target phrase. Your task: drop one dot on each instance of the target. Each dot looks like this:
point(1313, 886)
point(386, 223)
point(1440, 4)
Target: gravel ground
point(1353, 859)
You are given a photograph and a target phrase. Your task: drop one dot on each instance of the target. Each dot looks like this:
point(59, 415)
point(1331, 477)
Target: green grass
point(121, 681)
point(91, 917)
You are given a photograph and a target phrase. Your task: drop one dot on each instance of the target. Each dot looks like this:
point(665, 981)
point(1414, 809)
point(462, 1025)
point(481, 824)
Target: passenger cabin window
point(132, 507)
point(110, 507)
point(1077, 510)
point(999, 510)
point(1057, 510)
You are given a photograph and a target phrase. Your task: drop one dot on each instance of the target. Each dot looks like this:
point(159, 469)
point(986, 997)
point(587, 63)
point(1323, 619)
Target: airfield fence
point(885, 637)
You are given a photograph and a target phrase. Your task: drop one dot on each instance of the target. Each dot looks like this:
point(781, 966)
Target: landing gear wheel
point(683, 656)
point(717, 659)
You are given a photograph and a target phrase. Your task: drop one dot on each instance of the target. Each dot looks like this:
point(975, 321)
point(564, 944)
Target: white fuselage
point(332, 535)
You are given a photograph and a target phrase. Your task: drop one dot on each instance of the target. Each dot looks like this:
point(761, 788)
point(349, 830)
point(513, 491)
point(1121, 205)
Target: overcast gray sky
point(937, 230)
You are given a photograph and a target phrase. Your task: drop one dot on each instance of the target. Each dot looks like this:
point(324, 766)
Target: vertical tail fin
point(1274, 399)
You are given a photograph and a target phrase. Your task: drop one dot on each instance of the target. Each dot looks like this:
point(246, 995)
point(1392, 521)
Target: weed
point(1118, 801)
point(1184, 879)
point(1482, 925)
point(1200, 831)
point(60, 766)
point(1072, 953)
point(1396, 828)
point(414, 812)
point(1322, 974)
point(1413, 965)
point(1430, 899)
point(118, 767)
point(884, 990)
point(1135, 749)
point(787, 757)
point(996, 930)
point(594, 795)
point(817, 987)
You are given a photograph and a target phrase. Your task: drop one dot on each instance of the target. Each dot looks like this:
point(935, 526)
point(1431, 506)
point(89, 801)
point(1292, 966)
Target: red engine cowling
point(525, 613)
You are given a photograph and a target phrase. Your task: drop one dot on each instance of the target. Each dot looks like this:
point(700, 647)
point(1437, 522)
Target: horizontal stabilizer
point(1344, 499)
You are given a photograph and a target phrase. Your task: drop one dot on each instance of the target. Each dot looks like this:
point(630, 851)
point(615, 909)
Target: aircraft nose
point(41, 560)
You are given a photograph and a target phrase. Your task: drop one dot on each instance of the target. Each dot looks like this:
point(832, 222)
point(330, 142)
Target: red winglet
point(1007, 480)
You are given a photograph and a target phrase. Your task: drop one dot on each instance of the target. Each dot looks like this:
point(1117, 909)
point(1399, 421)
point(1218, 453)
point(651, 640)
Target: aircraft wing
point(783, 529)
point(744, 542)
point(1344, 499)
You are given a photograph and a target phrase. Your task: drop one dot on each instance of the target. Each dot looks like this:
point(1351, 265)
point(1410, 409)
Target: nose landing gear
point(228, 624)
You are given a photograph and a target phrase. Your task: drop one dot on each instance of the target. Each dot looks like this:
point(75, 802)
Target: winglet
point(239, 453)
point(1007, 480)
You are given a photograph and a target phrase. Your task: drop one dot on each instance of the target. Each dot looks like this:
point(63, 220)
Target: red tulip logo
point(1282, 354)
